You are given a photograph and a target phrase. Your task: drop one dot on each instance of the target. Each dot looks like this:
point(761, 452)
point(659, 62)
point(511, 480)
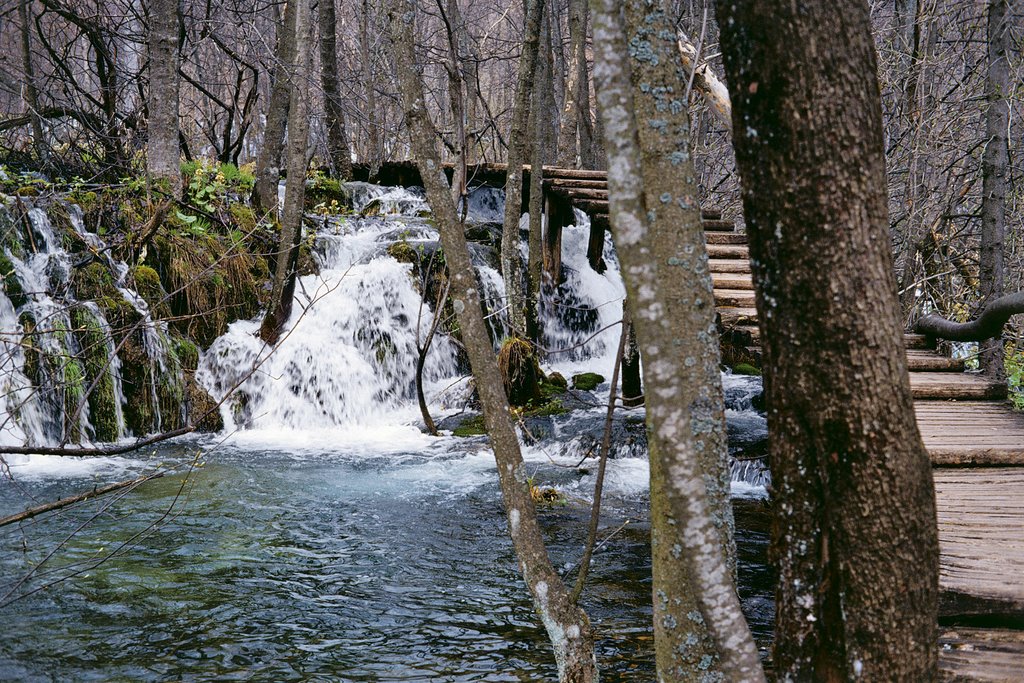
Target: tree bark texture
point(163, 153)
point(268, 161)
point(698, 625)
point(286, 265)
point(337, 137)
point(567, 625)
point(511, 260)
point(576, 137)
point(31, 93)
point(854, 533)
point(705, 81)
point(540, 125)
point(994, 168)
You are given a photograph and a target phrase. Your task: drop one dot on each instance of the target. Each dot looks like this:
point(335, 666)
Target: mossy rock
point(519, 372)
point(552, 386)
point(324, 190)
point(103, 400)
point(186, 351)
point(203, 412)
point(93, 281)
point(587, 381)
point(746, 369)
point(10, 233)
point(146, 282)
point(473, 426)
point(547, 409)
point(11, 284)
point(403, 252)
point(27, 191)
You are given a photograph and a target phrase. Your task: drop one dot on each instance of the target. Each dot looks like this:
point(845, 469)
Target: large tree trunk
point(511, 261)
point(337, 138)
point(658, 234)
point(854, 535)
point(286, 265)
point(268, 162)
point(994, 164)
point(163, 154)
point(567, 625)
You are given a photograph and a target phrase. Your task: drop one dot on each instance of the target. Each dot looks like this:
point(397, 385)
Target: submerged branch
point(71, 500)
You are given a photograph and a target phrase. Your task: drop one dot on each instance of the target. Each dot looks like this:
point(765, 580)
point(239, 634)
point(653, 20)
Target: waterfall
point(58, 354)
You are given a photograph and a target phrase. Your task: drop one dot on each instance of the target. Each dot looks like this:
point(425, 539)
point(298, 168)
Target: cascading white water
point(46, 409)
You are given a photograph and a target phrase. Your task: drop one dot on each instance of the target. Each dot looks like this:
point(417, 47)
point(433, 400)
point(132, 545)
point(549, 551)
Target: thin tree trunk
point(375, 142)
point(337, 138)
point(163, 153)
point(268, 162)
point(854, 536)
point(658, 235)
point(286, 266)
point(575, 138)
point(511, 261)
point(567, 625)
point(31, 94)
point(994, 165)
point(540, 126)
point(457, 100)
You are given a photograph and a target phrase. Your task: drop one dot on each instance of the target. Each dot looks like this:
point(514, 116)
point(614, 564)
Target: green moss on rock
point(11, 284)
point(745, 369)
point(587, 381)
point(92, 340)
point(473, 426)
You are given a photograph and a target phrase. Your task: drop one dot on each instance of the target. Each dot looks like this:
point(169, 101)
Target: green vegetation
point(102, 399)
point(473, 426)
point(11, 284)
point(1015, 375)
point(587, 381)
point(745, 369)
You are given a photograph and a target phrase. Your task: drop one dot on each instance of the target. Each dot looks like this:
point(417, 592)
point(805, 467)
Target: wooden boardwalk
point(975, 440)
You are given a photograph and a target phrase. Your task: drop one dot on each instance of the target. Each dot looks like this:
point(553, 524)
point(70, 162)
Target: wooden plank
point(742, 298)
point(981, 539)
point(727, 265)
point(717, 224)
point(921, 360)
point(971, 433)
point(955, 385)
point(725, 238)
point(728, 251)
point(732, 281)
point(981, 655)
point(738, 316)
point(576, 183)
point(918, 341)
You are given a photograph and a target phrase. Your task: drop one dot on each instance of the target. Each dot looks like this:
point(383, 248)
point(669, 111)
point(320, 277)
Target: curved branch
point(987, 325)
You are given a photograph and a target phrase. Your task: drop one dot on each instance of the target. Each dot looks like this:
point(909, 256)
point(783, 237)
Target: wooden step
point(602, 219)
point(981, 654)
point(725, 238)
point(955, 385)
point(971, 433)
point(732, 280)
point(724, 265)
point(981, 540)
point(922, 360)
point(918, 341)
point(739, 298)
point(732, 315)
point(718, 225)
point(572, 183)
point(728, 251)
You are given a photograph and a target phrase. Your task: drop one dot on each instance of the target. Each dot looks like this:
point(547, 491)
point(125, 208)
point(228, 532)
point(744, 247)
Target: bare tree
point(285, 272)
point(337, 138)
point(567, 624)
point(854, 536)
point(994, 170)
point(163, 154)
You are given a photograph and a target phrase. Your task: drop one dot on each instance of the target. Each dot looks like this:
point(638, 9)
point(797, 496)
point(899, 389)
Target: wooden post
point(632, 388)
point(595, 246)
point(556, 209)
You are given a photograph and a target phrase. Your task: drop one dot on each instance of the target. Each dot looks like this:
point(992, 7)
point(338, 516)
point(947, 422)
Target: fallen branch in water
point(71, 500)
point(987, 325)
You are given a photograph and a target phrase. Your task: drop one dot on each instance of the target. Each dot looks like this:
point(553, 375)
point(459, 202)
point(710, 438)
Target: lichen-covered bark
point(994, 164)
point(854, 534)
point(699, 627)
point(567, 625)
point(163, 156)
point(268, 161)
point(286, 268)
point(511, 260)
